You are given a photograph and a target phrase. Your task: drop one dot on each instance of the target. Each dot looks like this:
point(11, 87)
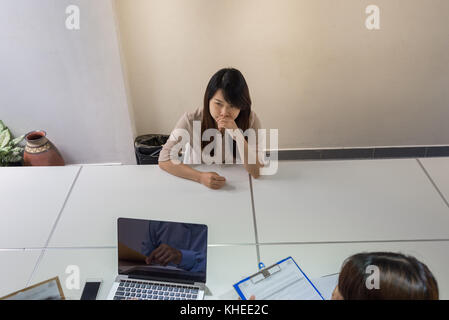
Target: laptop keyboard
point(138, 290)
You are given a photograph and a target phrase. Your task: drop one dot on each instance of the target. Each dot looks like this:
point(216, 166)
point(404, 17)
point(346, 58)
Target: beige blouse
point(186, 122)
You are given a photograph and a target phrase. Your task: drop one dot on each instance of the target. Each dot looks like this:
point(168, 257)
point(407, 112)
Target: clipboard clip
point(264, 273)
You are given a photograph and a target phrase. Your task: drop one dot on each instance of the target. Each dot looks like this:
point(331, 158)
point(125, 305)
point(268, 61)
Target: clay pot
point(39, 151)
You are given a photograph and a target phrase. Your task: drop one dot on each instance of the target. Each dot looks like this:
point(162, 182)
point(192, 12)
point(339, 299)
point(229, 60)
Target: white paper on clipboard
point(282, 281)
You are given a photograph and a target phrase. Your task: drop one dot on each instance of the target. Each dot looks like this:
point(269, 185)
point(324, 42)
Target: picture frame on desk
point(47, 290)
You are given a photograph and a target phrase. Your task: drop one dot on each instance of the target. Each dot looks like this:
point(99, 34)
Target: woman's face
point(218, 107)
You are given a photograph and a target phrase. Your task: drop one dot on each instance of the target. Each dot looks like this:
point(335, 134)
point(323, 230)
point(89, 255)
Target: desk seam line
point(253, 207)
point(349, 242)
point(433, 183)
point(236, 244)
point(53, 228)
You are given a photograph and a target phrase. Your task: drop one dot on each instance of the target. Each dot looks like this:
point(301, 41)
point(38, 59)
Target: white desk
point(307, 201)
point(317, 260)
point(227, 266)
point(31, 199)
point(102, 264)
point(16, 267)
point(328, 201)
point(438, 169)
point(103, 194)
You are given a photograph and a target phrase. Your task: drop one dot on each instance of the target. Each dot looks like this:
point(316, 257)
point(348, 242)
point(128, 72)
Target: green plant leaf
point(9, 149)
point(15, 159)
point(16, 141)
point(5, 137)
point(6, 149)
point(17, 150)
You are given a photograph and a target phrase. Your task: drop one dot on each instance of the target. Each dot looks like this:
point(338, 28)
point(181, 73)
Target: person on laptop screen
point(179, 245)
point(160, 260)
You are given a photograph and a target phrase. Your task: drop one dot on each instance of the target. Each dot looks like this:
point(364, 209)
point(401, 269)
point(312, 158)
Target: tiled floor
point(319, 212)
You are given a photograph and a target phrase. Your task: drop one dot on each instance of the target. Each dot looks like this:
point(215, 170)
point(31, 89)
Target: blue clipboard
point(263, 273)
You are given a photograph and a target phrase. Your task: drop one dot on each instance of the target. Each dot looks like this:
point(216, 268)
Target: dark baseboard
point(364, 153)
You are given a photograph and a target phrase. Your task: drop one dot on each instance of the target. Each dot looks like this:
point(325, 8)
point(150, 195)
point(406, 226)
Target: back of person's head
point(400, 277)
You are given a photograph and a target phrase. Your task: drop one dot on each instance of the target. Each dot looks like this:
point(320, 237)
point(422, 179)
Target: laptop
point(160, 260)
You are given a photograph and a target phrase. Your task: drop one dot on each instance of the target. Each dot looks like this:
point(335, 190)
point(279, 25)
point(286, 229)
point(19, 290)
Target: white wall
point(314, 71)
point(69, 83)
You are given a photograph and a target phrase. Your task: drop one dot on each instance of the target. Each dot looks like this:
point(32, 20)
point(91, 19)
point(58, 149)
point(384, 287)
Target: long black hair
point(235, 91)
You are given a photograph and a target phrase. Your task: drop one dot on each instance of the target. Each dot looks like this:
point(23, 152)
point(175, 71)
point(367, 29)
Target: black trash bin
point(148, 147)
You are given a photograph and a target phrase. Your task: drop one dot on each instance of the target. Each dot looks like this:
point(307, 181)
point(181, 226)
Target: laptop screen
point(162, 250)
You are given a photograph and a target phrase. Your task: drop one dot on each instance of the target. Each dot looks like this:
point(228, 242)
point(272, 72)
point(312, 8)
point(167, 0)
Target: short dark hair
point(401, 278)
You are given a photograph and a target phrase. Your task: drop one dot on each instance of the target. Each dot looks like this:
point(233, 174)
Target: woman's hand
point(212, 180)
point(226, 123)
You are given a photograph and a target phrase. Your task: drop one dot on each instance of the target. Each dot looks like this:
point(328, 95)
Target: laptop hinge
point(191, 282)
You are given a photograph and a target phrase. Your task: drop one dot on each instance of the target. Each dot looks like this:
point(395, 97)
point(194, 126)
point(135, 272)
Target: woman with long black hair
point(227, 105)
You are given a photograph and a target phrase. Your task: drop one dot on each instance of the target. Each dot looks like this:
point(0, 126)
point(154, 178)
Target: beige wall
point(314, 71)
